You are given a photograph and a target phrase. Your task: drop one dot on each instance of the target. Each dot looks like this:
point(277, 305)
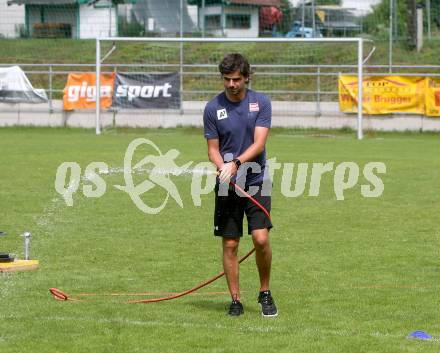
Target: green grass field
point(357, 275)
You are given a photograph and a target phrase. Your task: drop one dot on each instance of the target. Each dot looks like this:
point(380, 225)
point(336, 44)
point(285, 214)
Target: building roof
point(275, 3)
point(61, 2)
point(47, 2)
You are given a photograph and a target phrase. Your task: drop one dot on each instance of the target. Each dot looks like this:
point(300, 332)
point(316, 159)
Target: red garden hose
point(60, 295)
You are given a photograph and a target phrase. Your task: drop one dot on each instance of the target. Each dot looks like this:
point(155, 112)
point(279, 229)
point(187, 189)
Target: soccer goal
point(177, 75)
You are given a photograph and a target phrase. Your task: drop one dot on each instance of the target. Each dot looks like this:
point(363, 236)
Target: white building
point(232, 18)
point(81, 19)
point(12, 19)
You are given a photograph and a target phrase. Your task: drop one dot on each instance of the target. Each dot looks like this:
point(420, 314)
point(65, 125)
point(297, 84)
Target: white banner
point(16, 88)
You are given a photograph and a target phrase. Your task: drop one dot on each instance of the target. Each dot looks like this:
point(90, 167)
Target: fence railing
point(319, 81)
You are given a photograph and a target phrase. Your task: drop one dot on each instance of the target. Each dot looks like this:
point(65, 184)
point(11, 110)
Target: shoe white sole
point(274, 315)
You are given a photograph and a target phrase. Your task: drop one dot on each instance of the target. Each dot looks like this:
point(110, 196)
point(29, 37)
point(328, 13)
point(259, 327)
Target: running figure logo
point(163, 165)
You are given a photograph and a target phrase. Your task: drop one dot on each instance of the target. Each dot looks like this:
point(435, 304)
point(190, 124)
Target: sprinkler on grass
point(27, 243)
point(9, 263)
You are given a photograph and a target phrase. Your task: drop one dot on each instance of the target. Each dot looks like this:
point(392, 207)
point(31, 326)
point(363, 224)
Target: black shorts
point(229, 213)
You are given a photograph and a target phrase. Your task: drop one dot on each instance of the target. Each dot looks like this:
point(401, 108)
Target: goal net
point(167, 81)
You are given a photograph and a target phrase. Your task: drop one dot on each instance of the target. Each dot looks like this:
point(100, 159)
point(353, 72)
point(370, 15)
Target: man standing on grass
point(236, 126)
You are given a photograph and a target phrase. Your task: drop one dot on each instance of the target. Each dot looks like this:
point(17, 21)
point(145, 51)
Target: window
point(212, 22)
point(238, 21)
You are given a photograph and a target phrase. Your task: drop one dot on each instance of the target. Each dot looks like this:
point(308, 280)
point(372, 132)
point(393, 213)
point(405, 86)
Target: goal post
point(170, 53)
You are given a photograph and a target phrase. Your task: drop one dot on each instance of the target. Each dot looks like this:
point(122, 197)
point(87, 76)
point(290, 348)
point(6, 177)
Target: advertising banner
point(16, 88)
point(432, 96)
point(80, 91)
point(146, 91)
point(383, 94)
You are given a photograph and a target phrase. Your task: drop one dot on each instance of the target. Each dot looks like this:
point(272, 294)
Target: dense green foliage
point(327, 2)
point(377, 22)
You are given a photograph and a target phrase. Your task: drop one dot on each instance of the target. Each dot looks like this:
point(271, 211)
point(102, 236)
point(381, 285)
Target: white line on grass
point(166, 324)
point(244, 328)
point(6, 284)
point(160, 171)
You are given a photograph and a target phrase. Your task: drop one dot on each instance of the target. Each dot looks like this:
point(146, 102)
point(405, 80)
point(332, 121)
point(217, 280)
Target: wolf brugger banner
point(144, 91)
point(432, 96)
point(383, 94)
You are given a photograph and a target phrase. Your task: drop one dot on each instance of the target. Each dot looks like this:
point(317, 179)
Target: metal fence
point(319, 82)
point(322, 79)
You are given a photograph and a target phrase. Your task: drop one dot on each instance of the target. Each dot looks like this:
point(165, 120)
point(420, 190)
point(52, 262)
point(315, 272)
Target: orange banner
point(383, 94)
point(432, 96)
point(80, 91)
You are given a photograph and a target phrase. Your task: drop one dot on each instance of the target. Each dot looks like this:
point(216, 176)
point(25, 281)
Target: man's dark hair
point(233, 62)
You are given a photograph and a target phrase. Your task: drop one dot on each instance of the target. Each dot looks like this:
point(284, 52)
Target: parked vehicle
point(297, 31)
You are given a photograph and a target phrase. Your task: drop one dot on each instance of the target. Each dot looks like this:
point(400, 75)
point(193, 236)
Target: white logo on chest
point(222, 114)
point(254, 107)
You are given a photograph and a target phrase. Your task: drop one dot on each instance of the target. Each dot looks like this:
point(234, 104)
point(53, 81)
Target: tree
point(377, 22)
point(327, 2)
point(435, 12)
point(411, 18)
point(287, 10)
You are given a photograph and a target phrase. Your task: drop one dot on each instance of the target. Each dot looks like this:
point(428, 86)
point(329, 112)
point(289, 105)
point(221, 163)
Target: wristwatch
point(237, 162)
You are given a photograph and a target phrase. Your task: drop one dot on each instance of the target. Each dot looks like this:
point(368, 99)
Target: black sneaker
point(236, 308)
point(268, 307)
